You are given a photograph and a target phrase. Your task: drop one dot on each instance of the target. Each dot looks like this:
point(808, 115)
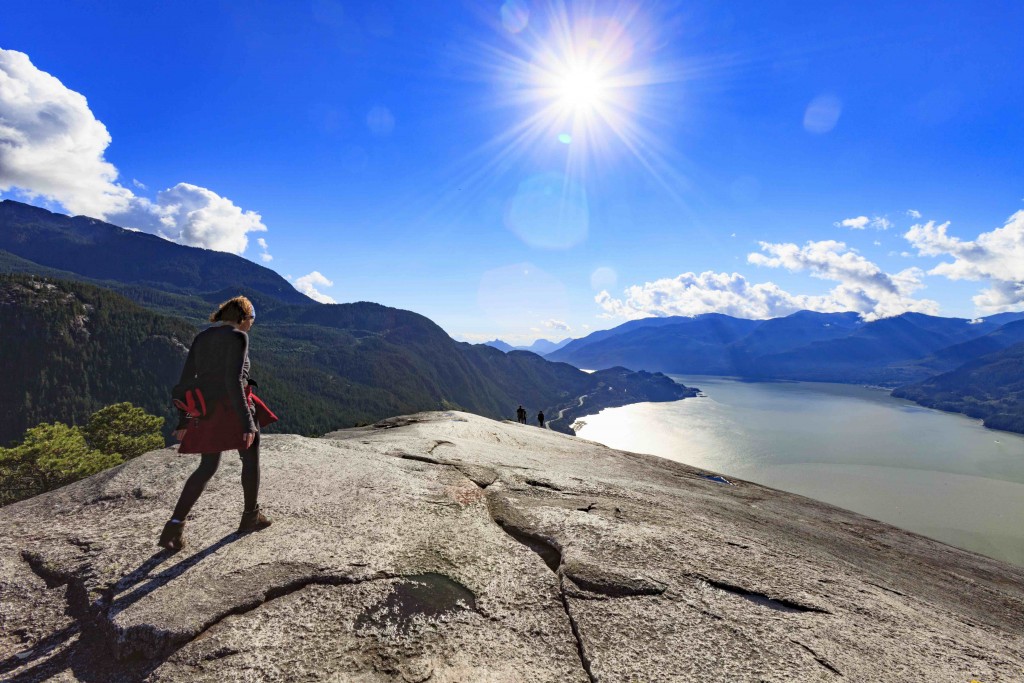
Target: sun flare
point(581, 90)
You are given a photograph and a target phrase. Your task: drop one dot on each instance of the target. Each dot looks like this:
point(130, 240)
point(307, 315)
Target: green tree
point(50, 456)
point(125, 430)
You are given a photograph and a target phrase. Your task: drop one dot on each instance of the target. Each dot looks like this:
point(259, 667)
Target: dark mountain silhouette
point(990, 387)
point(102, 251)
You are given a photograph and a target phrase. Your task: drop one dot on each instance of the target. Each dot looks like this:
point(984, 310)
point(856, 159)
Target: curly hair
point(233, 310)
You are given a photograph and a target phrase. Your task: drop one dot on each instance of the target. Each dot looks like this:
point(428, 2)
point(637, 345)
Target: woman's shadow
point(89, 658)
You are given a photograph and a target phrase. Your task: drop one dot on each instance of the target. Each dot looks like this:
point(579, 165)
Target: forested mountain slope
point(71, 348)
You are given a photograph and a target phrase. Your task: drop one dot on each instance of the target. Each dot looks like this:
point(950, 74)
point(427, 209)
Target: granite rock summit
point(449, 547)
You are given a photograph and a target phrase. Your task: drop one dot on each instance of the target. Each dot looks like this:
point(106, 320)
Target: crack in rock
point(440, 442)
point(97, 617)
point(155, 641)
point(420, 458)
point(778, 604)
point(818, 658)
point(609, 582)
point(580, 648)
point(886, 588)
point(543, 484)
point(478, 474)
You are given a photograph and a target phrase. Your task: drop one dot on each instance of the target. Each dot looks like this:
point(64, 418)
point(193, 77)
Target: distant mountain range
point(541, 347)
point(92, 314)
point(974, 367)
point(826, 347)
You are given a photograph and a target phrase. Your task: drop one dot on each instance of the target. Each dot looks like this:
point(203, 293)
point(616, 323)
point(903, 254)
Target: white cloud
point(913, 213)
point(858, 223)
point(709, 292)
point(52, 147)
point(558, 325)
point(997, 256)
point(193, 215)
point(307, 284)
point(861, 222)
point(877, 243)
point(267, 258)
point(863, 287)
point(138, 184)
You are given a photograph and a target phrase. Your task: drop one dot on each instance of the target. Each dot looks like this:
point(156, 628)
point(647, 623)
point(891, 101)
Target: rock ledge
point(449, 547)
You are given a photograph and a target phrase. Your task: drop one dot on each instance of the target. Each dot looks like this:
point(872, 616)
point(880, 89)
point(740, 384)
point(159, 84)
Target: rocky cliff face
point(449, 547)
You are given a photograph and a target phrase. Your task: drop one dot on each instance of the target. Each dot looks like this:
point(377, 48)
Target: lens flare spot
point(549, 211)
point(515, 15)
point(822, 114)
point(603, 278)
point(564, 138)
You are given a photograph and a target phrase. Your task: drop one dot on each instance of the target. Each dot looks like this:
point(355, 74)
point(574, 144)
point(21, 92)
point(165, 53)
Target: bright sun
point(581, 90)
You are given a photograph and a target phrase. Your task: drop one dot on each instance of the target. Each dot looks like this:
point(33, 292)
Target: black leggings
point(208, 466)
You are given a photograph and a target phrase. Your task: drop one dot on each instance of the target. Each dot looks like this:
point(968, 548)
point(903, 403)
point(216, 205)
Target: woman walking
point(218, 363)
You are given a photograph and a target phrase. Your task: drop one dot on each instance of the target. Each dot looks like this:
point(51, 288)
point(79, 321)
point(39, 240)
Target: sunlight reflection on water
point(941, 475)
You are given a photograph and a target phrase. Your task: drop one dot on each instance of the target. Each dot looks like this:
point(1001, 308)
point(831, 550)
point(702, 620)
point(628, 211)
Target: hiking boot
point(172, 536)
point(253, 521)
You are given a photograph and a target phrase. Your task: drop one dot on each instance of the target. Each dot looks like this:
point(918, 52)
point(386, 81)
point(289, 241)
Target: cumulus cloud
point(864, 287)
point(193, 215)
point(307, 284)
point(52, 147)
point(709, 292)
point(997, 256)
point(913, 213)
point(861, 222)
point(858, 223)
point(558, 325)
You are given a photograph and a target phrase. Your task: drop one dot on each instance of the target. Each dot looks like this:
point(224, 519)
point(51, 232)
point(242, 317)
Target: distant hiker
point(540, 418)
point(220, 413)
point(521, 414)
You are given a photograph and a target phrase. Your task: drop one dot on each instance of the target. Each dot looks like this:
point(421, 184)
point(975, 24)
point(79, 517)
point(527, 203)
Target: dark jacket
point(219, 362)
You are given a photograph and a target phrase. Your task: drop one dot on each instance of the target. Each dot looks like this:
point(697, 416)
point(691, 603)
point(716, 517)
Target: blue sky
point(410, 153)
